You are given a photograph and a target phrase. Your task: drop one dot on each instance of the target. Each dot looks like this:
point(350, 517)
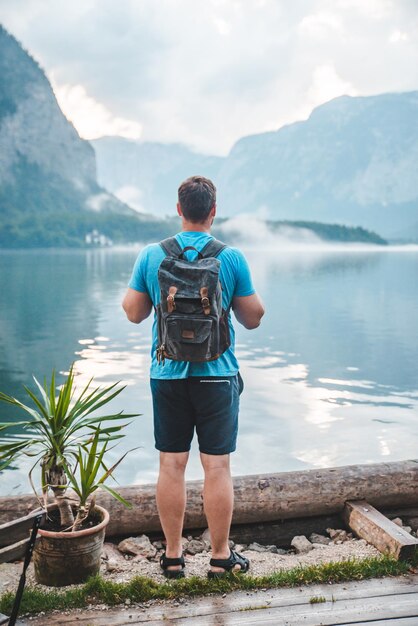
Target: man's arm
point(137, 305)
point(248, 310)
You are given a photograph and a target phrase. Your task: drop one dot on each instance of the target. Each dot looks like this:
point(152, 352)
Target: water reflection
point(330, 376)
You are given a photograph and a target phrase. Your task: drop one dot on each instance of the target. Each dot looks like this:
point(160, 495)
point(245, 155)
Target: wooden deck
point(376, 602)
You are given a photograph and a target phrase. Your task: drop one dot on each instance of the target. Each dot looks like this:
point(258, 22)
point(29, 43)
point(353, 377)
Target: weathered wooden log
point(261, 498)
point(370, 524)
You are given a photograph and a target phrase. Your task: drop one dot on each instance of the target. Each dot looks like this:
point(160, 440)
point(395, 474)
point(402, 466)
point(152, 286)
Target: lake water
point(331, 375)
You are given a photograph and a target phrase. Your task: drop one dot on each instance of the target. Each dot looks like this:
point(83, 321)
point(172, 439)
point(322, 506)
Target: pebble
point(256, 547)
point(138, 546)
point(301, 544)
point(317, 538)
point(195, 546)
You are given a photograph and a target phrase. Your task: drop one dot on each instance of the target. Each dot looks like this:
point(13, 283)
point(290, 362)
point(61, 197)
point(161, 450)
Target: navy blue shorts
point(208, 403)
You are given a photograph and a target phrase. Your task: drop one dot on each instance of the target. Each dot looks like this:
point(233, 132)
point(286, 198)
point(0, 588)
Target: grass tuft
point(140, 589)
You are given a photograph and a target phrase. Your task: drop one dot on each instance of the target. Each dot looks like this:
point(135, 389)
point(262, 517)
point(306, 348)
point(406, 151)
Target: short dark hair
point(197, 195)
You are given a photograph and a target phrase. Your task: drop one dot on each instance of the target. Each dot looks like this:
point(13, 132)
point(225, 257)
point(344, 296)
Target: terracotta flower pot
point(68, 558)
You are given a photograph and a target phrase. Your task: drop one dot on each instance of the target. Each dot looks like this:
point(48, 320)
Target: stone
point(256, 547)
point(158, 545)
point(231, 544)
point(138, 546)
point(272, 549)
point(112, 566)
point(397, 521)
point(195, 546)
point(338, 534)
point(205, 536)
point(407, 528)
point(301, 544)
point(319, 545)
point(317, 538)
point(110, 552)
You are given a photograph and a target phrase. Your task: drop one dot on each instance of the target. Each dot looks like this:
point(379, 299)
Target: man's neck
point(195, 227)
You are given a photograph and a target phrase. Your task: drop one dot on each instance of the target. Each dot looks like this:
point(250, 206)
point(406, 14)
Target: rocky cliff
point(47, 172)
point(354, 161)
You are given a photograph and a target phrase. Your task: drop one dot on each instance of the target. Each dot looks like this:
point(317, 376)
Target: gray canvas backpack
point(192, 325)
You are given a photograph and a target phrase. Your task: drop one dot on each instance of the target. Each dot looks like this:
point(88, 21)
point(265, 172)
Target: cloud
point(319, 25)
point(326, 84)
point(91, 118)
point(397, 36)
point(132, 196)
point(208, 73)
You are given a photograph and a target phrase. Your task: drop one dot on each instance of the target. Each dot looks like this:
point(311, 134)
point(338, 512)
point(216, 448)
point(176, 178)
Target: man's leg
point(218, 502)
point(171, 500)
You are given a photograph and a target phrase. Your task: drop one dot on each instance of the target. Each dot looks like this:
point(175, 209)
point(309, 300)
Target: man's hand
point(137, 305)
point(248, 310)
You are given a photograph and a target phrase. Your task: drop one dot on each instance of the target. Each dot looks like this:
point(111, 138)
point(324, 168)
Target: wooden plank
point(17, 529)
point(14, 552)
point(396, 621)
point(284, 600)
point(261, 498)
point(369, 524)
point(342, 613)
point(346, 614)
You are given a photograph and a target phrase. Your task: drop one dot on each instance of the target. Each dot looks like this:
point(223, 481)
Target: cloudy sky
point(206, 72)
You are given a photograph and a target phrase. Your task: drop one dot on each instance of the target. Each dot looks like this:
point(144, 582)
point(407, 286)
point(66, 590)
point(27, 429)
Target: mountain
point(147, 174)
point(49, 194)
point(354, 161)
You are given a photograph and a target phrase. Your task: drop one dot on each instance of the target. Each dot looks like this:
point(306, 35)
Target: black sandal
point(228, 564)
point(166, 562)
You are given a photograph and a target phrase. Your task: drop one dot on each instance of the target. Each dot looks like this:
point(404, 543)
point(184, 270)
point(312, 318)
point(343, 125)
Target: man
point(196, 395)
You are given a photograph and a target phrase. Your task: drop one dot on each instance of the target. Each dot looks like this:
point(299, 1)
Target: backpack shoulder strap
point(213, 248)
point(171, 246)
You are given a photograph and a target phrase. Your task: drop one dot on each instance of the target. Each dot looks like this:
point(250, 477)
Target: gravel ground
point(260, 563)
point(120, 568)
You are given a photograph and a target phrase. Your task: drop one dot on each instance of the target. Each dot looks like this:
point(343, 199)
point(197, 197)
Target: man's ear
point(213, 211)
point(179, 211)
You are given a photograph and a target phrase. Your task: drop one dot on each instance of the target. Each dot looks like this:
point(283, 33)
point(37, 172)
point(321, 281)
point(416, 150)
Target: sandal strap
point(166, 561)
point(234, 559)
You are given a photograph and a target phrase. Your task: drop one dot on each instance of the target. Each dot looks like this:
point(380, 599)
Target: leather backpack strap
point(171, 246)
point(213, 248)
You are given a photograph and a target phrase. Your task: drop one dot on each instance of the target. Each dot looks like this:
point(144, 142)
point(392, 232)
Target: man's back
point(235, 279)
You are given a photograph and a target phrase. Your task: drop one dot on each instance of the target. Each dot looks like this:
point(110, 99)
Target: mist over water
point(253, 231)
point(330, 375)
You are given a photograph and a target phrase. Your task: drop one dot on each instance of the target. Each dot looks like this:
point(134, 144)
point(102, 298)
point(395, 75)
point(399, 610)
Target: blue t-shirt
point(236, 280)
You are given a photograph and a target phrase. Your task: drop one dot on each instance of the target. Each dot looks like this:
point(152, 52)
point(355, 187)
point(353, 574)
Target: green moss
point(140, 589)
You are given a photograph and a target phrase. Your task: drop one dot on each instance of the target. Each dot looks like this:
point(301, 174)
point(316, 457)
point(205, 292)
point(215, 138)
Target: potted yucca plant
point(68, 441)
